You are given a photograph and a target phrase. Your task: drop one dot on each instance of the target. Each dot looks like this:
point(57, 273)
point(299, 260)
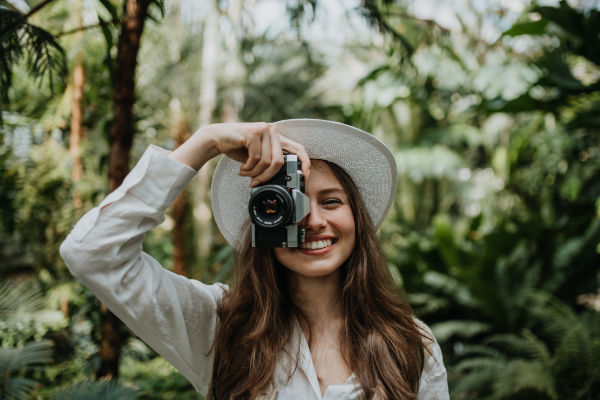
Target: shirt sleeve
point(174, 315)
point(434, 379)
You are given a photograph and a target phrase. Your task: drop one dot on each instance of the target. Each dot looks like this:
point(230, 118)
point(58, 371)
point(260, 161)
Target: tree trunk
point(121, 137)
point(180, 210)
point(234, 70)
point(208, 96)
point(76, 134)
point(123, 128)
point(180, 215)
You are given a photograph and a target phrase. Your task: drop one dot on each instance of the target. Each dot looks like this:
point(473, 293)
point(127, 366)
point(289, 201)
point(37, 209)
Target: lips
point(317, 245)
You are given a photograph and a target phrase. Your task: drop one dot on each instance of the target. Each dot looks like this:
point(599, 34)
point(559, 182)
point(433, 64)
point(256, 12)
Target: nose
point(315, 220)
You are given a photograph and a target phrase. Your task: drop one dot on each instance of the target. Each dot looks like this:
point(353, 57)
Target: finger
point(265, 157)
point(254, 150)
point(276, 157)
point(299, 150)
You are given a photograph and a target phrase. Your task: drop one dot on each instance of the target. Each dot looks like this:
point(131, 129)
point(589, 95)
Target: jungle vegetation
point(492, 109)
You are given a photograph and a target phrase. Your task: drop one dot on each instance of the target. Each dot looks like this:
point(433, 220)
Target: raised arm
point(174, 315)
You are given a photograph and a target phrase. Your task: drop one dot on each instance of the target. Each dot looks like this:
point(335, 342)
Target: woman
point(323, 321)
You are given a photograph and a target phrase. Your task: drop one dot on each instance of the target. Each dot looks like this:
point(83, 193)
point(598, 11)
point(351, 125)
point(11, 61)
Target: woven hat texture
point(365, 158)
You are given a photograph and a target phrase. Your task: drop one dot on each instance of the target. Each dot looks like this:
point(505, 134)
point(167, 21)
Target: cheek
point(348, 228)
point(351, 235)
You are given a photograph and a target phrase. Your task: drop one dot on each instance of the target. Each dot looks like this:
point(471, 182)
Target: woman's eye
point(332, 201)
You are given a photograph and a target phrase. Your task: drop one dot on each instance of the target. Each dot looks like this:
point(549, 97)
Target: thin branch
point(37, 8)
point(398, 36)
point(85, 28)
point(371, 11)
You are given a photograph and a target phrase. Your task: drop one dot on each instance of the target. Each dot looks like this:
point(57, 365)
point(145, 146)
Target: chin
point(309, 270)
point(315, 272)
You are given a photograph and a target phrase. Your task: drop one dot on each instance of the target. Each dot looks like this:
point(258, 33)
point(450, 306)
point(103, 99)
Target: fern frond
point(537, 349)
point(475, 381)
point(480, 363)
point(524, 375)
point(483, 351)
point(556, 318)
point(509, 343)
point(574, 357)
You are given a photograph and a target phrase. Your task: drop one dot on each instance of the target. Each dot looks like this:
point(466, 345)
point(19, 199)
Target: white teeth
point(319, 244)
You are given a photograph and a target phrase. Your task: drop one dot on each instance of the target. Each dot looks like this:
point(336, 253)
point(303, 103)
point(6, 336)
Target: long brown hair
point(380, 341)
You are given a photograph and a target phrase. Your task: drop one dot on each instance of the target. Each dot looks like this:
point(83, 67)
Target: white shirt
point(174, 315)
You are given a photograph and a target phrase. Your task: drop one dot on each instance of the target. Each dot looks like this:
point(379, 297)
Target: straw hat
point(365, 159)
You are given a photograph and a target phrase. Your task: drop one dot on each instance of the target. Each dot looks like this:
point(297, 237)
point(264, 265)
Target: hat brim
point(369, 163)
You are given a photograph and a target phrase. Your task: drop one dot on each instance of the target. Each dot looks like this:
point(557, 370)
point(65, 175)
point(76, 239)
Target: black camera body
point(278, 205)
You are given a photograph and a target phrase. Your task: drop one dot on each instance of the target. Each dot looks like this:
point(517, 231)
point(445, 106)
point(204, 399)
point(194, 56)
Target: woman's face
point(329, 228)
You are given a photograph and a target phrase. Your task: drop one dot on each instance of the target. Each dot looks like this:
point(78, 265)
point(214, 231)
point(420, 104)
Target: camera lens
point(270, 206)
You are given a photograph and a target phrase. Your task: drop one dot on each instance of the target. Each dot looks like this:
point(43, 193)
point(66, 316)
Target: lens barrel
point(271, 206)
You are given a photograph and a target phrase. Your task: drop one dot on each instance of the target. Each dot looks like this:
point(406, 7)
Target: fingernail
point(254, 184)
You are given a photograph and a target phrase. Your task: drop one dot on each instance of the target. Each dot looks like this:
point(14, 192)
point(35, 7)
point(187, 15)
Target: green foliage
point(561, 361)
point(287, 93)
point(493, 206)
point(45, 56)
point(158, 380)
point(14, 363)
point(498, 199)
point(577, 33)
point(98, 391)
point(24, 315)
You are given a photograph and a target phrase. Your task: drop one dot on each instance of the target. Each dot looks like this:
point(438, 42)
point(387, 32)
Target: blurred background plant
point(491, 108)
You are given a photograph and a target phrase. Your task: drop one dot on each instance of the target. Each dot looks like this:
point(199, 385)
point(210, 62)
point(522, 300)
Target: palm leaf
point(19, 300)
point(45, 57)
point(9, 46)
point(14, 361)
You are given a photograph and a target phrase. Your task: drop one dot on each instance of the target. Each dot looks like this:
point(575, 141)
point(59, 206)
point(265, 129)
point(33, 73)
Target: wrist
point(205, 138)
point(197, 150)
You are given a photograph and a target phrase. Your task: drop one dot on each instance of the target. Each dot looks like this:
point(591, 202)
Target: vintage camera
point(278, 205)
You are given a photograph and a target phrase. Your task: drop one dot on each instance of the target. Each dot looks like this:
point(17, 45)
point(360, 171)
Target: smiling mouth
point(317, 244)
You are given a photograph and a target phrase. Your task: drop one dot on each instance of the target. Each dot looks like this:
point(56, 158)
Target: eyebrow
point(331, 190)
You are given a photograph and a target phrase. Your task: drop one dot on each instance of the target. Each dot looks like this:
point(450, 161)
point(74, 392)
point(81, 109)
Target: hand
point(258, 146)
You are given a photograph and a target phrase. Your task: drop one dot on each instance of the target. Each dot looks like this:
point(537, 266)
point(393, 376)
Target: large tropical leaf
point(460, 328)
